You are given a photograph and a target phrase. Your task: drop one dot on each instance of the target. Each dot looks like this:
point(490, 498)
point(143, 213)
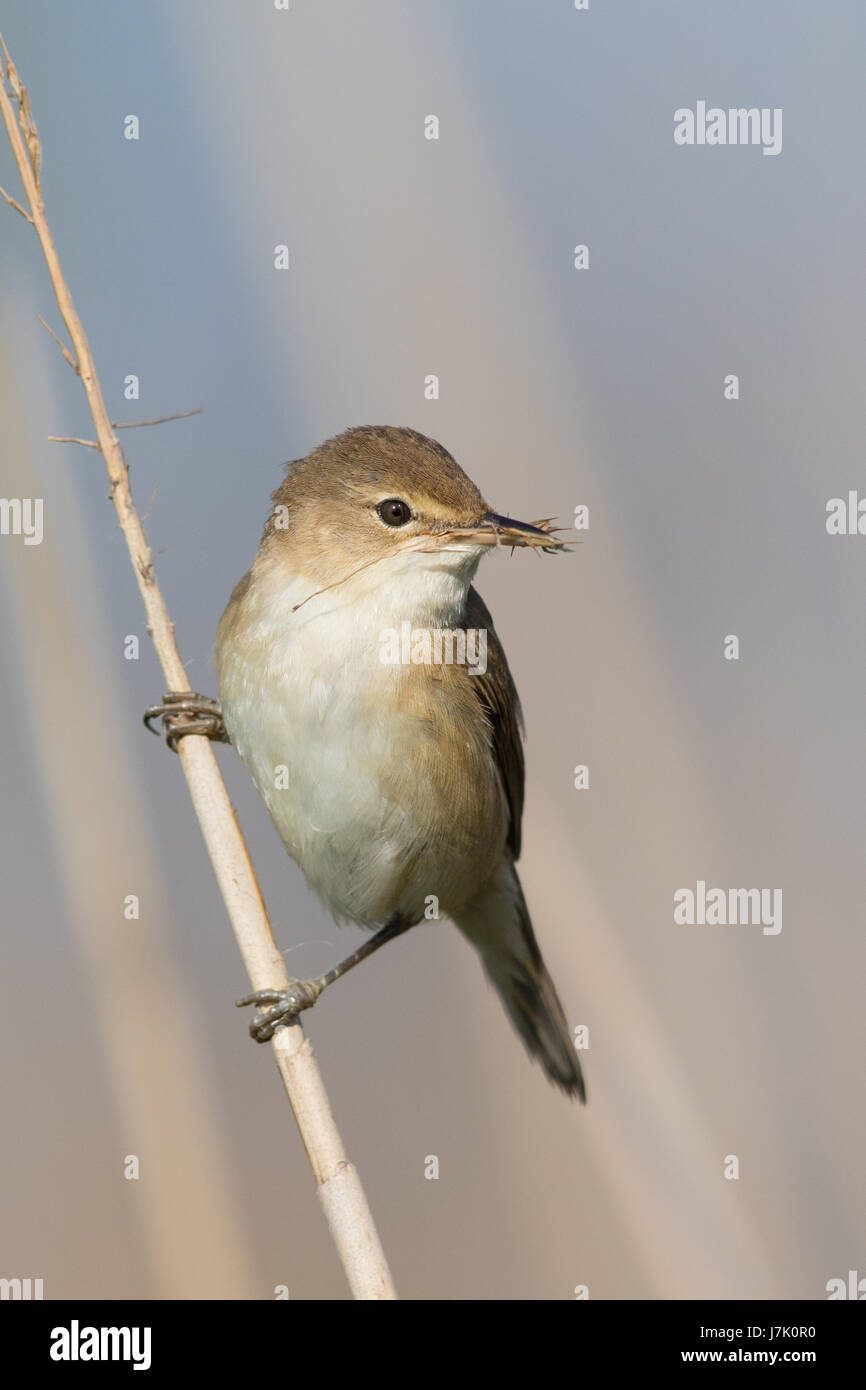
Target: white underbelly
point(308, 717)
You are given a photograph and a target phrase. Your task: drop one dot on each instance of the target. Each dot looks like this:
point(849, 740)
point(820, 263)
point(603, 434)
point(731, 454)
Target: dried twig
point(128, 425)
point(66, 353)
point(339, 1186)
point(72, 439)
point(160, 420)
point(13, 204)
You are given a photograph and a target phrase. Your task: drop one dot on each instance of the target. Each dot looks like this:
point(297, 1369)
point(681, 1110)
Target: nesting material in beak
point(493, 529)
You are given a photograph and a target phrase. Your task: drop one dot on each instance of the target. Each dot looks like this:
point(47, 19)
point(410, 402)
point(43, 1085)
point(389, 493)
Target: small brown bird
point(363, 684)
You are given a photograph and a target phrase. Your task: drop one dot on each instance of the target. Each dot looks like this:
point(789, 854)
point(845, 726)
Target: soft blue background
point(558, 387)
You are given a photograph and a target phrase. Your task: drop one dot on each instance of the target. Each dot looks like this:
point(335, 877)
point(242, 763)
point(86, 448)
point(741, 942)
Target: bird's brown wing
point(498, 696)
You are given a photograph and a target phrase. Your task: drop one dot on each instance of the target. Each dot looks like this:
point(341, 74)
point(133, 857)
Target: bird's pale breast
point(379, 777)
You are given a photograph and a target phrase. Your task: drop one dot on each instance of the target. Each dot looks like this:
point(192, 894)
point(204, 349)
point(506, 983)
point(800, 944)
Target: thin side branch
point(339, 1186)
point(160, 420)
point(17, 206)
point(71, 439)
point(66, 353)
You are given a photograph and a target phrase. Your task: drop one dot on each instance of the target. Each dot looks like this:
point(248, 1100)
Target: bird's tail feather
point(498, 925)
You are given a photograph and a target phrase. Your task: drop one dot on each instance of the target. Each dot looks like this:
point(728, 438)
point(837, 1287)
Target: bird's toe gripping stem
point(184, 712)
point(285, 1005)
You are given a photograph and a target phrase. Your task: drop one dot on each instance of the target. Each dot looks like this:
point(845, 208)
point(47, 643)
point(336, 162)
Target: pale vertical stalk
point(192, 1232)
point(341, 1194)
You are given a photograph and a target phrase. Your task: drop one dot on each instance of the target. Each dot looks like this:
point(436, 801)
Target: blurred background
point(558, 387)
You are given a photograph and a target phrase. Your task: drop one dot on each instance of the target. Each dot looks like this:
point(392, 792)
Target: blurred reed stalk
point(339, 1186)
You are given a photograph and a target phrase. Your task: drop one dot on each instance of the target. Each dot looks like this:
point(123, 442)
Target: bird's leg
point(286, 1004)
point(183, 712)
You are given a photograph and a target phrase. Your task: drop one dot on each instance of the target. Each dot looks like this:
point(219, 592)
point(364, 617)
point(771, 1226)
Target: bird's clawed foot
point(285, 1005)
point(183, 712)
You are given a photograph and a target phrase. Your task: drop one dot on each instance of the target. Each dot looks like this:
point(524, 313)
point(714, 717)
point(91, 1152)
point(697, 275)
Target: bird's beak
point(493, 529)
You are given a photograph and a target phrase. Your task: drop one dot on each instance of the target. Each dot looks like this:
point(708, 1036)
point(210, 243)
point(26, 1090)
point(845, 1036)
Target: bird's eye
point(394, 511)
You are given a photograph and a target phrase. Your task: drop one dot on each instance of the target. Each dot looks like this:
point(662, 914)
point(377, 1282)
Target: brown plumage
point(404, 780)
